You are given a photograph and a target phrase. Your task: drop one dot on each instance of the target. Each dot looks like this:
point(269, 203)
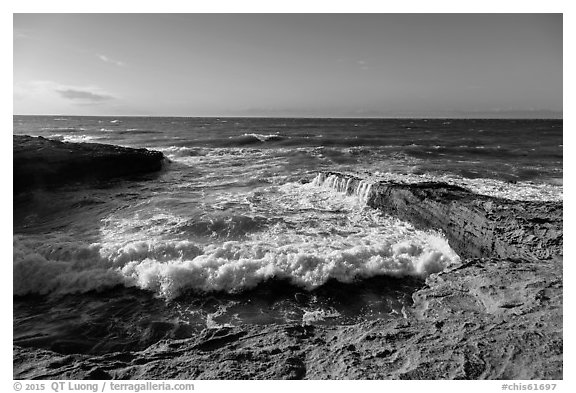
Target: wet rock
point(212, 339)
point(497, 315)
point(97, 374)
point(294, 368)
point(41, 163)
point(475, 225)
point(302, 298)
point(456, 329)
point(299, 331)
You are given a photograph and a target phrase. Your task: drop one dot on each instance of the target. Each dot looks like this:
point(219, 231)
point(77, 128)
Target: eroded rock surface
point(475, 225)
point(486, 319)
point(45, 163)
point(494, 317)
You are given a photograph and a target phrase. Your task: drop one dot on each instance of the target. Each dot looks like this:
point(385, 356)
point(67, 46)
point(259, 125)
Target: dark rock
point(385, 353)
point(41, 163)
point(97, 374)
point(299, 331)
point(294, 368)
point(302, 298)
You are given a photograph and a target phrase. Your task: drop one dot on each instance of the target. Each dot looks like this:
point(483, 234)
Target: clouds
point(20, 34)
point(363, 64)
point(54, 97)
point(107, 59)
point(83, 95)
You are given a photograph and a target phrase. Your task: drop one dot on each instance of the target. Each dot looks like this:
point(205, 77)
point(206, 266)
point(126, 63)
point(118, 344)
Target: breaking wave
point(263, 137)
point(520, 191)
point(254, 139)
point(72, 138)
point(333, 237)
point(170, 268)
point(183, 151)
point(131, 131)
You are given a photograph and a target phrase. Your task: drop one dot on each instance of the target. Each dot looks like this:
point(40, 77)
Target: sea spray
point(312, 235)
point(343, 184)
point(312, 316)
point(231, 217)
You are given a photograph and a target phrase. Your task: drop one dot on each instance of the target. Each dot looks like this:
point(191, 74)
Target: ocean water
point(238, 228)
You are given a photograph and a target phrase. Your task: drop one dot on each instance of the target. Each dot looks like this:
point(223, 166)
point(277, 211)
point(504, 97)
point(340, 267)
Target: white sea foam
point(310, 317)
point(363, 189)
point(182, 151)
point(235, 266)
point(520, 191)
point(323, 235)
point(263, 137)
point(72, 138)
point(57, 264)
point(211, 323)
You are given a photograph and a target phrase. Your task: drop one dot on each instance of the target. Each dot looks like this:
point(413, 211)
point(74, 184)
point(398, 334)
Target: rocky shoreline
point(497, 315)
point(41, 163)
point(486, 319)
point(476, 226)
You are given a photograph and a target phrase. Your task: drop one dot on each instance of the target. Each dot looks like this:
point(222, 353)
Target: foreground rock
point(45, 163)
point(498, 315)
point(487, 319)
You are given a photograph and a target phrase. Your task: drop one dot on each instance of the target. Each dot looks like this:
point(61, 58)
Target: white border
point(357, 6)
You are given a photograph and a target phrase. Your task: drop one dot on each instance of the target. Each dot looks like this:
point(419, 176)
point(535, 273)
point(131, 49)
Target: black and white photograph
point(280, 196)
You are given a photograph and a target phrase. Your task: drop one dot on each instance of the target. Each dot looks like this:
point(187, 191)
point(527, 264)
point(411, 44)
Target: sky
point(293, 65)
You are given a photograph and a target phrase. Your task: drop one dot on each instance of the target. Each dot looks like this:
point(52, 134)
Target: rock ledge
point(41, 163)
point(498, 315)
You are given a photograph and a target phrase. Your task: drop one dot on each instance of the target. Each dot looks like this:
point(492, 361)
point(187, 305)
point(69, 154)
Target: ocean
point(240, 228)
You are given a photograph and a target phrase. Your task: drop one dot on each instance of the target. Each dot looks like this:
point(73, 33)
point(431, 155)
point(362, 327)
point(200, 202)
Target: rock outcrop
point(475, 225)
point(497, 315)
point(486, 319)
point(44, 163)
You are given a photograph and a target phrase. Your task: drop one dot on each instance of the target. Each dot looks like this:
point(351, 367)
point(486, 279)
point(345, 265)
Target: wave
point(182, 151)
point(362, 190)
point(263, 137)
point(316, 236)
point(169, 268)
point(63, 129)
point(131, 131)
point(72, 138)
point(253, 138)
point(520, 191)
point(201, 226)
point(310, 317)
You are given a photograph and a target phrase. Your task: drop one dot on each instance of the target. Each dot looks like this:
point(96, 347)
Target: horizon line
point(560, 116)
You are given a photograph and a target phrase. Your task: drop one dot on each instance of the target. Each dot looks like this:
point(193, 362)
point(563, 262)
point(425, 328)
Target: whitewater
point(243, 226)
